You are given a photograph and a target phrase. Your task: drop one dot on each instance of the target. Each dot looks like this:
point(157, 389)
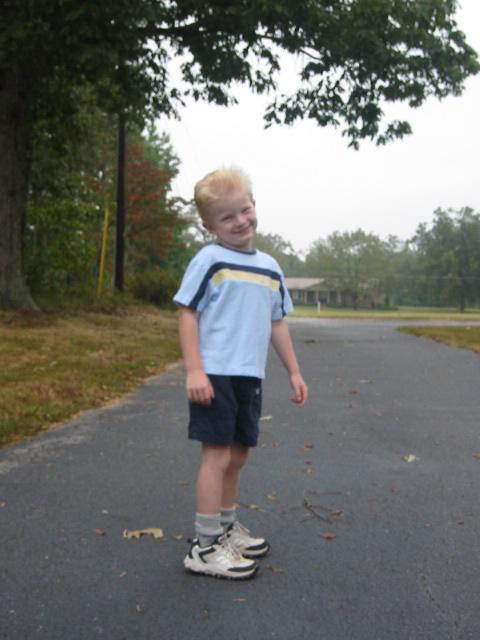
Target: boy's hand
point(199, 387)
point(300, 389)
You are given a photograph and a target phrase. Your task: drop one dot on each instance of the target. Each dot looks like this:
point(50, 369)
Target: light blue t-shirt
point(237, 296)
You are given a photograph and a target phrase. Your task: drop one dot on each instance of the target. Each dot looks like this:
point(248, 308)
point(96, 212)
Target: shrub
point(155, 286)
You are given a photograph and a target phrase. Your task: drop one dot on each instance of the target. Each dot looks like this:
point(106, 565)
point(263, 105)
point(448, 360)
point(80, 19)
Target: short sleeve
point(282, 304)
point(193, 288)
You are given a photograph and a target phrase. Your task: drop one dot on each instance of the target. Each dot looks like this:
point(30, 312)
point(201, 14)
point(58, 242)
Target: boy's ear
point(207, 226)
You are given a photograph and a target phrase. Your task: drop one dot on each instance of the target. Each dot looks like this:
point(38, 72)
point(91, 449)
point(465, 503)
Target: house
point(311, 291)
point(314, 290)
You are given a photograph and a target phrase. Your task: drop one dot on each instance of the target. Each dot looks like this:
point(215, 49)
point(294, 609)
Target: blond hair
point(217, 184)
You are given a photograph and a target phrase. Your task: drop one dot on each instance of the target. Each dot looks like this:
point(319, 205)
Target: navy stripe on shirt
point(234, 267)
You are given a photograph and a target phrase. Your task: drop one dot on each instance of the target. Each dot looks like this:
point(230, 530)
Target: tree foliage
point(72, 184)
point(282, 251)
point(356, 56)
point(354, 263)
point(449, 257)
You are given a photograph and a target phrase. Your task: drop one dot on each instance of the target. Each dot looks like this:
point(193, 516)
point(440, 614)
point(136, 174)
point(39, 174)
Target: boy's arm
point(199, 388)
point(282, 344)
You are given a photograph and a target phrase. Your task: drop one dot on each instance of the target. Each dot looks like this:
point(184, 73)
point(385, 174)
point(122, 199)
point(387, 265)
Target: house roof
point(304, 283)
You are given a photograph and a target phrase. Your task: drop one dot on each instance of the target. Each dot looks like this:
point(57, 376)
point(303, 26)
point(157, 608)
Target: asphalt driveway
point(369, 497)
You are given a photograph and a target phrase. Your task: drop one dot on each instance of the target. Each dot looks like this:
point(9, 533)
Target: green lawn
point(460, 337)
point(54, 365)
point(402, 313)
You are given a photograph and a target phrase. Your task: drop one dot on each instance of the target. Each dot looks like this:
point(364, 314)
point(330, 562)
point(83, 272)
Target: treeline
point(439, 266)
point(71, 212)
point(72, 191)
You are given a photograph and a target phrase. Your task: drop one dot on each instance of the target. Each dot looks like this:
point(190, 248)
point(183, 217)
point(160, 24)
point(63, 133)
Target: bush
point(155, 286)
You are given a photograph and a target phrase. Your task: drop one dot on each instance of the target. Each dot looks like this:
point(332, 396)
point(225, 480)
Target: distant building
point(311, 291)
point(314, 290)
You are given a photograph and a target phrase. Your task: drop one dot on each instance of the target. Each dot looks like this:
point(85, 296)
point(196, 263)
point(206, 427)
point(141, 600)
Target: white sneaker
point(250, 547)
point(221, 559)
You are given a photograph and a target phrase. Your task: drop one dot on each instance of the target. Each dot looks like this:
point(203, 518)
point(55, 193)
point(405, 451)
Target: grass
point(460, 337)
point(54, 365)
point(402, 313)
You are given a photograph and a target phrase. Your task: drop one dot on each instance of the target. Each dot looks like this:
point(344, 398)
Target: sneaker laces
point(241, 529)
point(230, 549)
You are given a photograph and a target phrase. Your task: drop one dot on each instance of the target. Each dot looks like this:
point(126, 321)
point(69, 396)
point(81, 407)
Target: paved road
point(405, 559)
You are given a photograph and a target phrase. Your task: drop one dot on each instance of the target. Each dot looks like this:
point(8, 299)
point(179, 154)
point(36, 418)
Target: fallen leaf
point(3, 504)
point(353, 392)
point(307, 447)
point(409, 458)
point(272, 497)
point(156, 533)
point(206, 614)
point(239, 600)
point(265, 418)
point(475, 455)
point(274, 569)
point(337, 513)
point(328, 536)
point(100, 532)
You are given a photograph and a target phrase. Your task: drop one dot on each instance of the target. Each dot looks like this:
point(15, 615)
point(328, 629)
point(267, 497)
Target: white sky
point(308, 183)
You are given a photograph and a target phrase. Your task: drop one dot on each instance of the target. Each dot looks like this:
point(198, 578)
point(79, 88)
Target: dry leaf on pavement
point(274, 569)
point(156, 533)
point(307, 447)
point(328, 536)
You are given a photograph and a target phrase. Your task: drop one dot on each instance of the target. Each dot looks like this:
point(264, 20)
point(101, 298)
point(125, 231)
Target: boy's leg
point(238, 458)
point(247, 545)
point(211, 554)
point(215, 461)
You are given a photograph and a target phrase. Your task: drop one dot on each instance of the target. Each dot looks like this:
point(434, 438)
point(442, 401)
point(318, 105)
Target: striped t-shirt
point(237, 296)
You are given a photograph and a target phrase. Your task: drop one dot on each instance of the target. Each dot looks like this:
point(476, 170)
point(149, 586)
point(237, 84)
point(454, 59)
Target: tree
point(154, 217)
point(449, 256)
point(352, 262)
point(358, 54)
point(282, 251)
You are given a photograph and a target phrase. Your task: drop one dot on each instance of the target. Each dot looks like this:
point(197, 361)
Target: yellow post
point(104, 250)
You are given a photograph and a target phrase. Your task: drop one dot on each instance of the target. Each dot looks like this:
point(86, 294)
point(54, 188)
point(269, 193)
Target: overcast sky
point(308, 183)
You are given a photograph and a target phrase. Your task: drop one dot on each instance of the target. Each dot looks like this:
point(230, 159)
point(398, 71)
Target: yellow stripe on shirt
point(224, 275)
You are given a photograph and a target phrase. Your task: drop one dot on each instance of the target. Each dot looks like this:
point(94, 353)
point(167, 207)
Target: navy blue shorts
point(233, 414)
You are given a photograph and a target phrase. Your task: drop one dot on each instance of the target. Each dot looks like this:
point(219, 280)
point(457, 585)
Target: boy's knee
point(239, 455)
point(218, 457)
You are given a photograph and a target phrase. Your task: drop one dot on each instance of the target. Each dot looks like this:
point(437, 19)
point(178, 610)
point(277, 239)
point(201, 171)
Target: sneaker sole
point(255, 553)
point(203, 569)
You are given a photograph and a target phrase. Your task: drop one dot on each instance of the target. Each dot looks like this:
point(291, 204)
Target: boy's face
point(233, 219)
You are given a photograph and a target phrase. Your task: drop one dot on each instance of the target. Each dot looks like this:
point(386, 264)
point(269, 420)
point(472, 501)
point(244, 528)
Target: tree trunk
point(14, 171)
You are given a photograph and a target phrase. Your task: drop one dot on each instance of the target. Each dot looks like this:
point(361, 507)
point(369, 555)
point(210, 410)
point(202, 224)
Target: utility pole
point(120, 227)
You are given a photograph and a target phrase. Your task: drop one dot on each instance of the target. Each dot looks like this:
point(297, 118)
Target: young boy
point(233, 300)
